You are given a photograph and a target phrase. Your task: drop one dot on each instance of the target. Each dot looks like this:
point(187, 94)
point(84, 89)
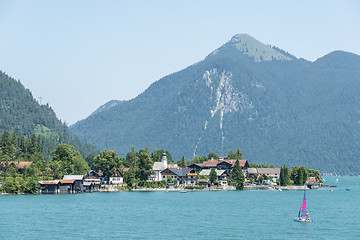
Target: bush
point(10, 185)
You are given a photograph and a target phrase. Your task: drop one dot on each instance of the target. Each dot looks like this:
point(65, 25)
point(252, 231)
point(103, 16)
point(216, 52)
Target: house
point(92, 176)
point(204, 182)
point(90, 187)
point(183, 176)
point(158, 167)
point(312, 183)
point(222, 175)
point(252, 172)
point(102, 177)
point(67, 185)
point(265, 172)
point(221, 164)
point(117, 178)
point(21, 166)
point(79, 181)
point(49, 186)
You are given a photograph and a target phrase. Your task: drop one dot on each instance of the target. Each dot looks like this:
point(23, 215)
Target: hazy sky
point(77, 55)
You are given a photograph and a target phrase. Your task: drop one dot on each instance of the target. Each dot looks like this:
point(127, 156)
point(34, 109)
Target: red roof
point(49, 182)
point(67, 180)
point(214, 162)
point(18, 164)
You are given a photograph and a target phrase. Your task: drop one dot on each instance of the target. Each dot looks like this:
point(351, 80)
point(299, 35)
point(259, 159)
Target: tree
point(299, 175)
point(70, 160)
point(108, 162)
point(238, 153)
point(237, 176)
point(145, 166)
point(197, 159)
point(284, 176)
point(156, 155)
point(131, 160)
point(182, 163)
point(231, 154)
point(213, 155)
point(129, 178)
point(213, 176)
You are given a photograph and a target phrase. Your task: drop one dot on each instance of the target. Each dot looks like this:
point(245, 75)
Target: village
point(195, 176)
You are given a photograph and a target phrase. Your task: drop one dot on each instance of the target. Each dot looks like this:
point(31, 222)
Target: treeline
point(21, 112)
point(297, 175)
point(15, 150)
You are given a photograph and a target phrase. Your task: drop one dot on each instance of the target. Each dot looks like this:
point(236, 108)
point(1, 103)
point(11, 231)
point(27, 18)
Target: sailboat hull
point(301, 220)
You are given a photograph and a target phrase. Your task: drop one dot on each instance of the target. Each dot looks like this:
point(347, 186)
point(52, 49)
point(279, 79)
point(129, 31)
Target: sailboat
point(303, 216)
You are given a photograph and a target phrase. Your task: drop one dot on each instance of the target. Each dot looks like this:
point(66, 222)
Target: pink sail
point(302, 211)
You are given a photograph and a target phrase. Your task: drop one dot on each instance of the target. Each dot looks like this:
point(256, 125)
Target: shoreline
point(116, 188)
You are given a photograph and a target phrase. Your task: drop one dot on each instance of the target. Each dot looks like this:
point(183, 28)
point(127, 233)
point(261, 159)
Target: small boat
point(303, 215)
point(347, 189)
point(183, 191)
point(330, 190)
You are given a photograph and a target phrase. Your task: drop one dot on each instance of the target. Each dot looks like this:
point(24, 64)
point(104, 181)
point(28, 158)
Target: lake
point(265, 214)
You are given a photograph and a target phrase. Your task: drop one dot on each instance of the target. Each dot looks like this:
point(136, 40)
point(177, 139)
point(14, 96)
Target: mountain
point(279, 109)
point(20, 112)
point(106, 106)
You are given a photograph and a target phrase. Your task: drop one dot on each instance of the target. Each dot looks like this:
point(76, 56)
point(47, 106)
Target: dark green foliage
point(299, 175)
point(182, 163)
point(66, 160)
point(196, 159)
point(130, 179)
point(284, 176)
point(145, 166)
point(153, 184)
point(70, 160)
point(213, 176)
point(108, 162)
point(140, 164)
point(237, 176)
point(156, 155)
point(213, 155)
point(233, 155)
point(20, 112)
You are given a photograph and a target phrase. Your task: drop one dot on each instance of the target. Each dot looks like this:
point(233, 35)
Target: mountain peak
point(255, 49)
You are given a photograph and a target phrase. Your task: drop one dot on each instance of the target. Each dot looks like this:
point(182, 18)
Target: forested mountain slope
point(20, 112)
point(277, 108)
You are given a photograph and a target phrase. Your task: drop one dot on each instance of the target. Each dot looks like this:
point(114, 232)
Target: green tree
point(238, 153)
point(213, 176)
point(129, 178)
point(213, 155)
point(131, 160)
point(196, 159)
point(237, 176)
point(284, 176)
point(231, 154)
point(107, 162)
point(145, 166)
point(182, 163)
point(10, 185)
point(156, 155)
point(70, 160)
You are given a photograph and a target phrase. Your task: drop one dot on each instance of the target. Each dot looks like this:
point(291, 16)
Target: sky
point(78, 55)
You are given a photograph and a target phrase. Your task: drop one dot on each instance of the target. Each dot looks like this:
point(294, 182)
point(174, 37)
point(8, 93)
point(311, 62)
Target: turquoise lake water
point(193, 215)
